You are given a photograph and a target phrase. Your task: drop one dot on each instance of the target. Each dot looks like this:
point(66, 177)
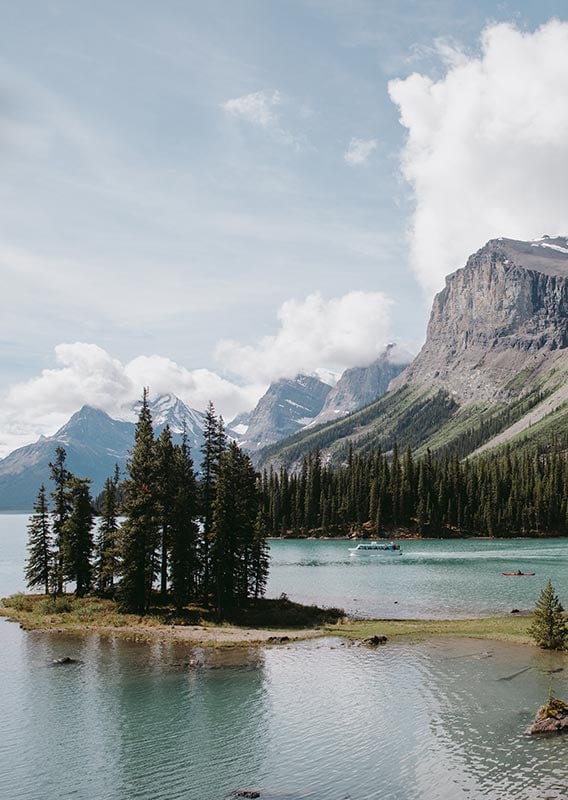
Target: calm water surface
point(319, 720)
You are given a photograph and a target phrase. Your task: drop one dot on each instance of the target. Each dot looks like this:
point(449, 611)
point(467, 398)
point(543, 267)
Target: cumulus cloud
point(487, 146)
point(359, 151)
point(314, 336)
point(258, 108)
point(331, 334)
point(85, 374)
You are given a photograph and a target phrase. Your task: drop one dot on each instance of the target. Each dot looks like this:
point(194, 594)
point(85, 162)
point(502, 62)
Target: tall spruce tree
point(549, 628)
point(214, 444)
point(39, 565)
point(166, 485)
point(78, 536)
point(140, 531)
point(183, 532)
point(259, 557)
point(234, 514)
point(107, 564)
point(60, 476)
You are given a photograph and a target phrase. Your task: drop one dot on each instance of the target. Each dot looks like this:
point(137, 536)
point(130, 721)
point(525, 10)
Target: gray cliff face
point(287, 406)
point(359, 386)
point(505, 311)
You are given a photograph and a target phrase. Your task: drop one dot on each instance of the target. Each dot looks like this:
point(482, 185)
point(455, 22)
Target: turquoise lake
point(321, 719)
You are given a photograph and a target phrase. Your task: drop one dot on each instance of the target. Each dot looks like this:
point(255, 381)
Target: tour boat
point(390, 549)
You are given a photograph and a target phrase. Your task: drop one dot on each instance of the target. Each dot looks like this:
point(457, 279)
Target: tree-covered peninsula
point(181, 540)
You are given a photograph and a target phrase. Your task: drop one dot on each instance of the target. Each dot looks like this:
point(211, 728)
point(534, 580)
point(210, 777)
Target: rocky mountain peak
point(505, 311)
point(288, 405)
point(168, 409)
point(359, 386)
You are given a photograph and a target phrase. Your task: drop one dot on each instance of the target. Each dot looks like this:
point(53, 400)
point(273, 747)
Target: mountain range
point(492, 371)
point(95, 442)
point(493, 368)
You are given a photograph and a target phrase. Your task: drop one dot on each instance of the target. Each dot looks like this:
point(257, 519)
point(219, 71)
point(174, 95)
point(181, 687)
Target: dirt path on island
point(200, 635)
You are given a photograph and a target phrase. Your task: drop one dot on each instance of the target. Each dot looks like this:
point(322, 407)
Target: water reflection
point(320, 719)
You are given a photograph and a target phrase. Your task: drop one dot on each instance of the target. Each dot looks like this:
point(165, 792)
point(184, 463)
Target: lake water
point(320, 720)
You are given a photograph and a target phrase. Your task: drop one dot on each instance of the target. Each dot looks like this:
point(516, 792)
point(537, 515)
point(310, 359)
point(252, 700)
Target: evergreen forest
point(509, 494)
point(180, 540)
point(166, 533)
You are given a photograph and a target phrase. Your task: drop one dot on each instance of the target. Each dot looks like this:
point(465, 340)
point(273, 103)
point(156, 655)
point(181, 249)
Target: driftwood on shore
point(551, 718)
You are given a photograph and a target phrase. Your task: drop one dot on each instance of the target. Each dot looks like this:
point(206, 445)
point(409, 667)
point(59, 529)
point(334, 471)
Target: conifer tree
point(78, 535)
point(60, 476)
point(39, 565)
point(183, 533)
point(107, 563)
point(260, 558)
point(139, 532)
point(234, 515)
point(549, 627)
point(166, 492)
point(214, 444)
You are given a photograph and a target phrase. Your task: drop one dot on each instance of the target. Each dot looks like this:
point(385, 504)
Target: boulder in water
point(375, 641)
point(551, 718)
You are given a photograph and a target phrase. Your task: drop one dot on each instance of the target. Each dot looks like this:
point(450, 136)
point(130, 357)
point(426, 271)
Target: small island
point(270, 622)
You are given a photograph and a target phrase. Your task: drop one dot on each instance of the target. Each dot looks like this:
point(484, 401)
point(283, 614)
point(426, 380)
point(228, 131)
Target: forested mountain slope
point(494, 363)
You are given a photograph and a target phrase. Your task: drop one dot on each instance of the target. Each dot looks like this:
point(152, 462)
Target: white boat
point(390, 549)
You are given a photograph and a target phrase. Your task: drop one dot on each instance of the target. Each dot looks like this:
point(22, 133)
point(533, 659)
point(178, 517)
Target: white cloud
point(257, 108)
point(359, 151)
point(314, 336)
point(86, 374)
point(331, 334)
point(263, 110)
point(487, 147)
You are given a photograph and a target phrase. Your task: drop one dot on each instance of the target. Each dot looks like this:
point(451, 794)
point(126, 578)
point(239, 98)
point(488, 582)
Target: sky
point(204, 197)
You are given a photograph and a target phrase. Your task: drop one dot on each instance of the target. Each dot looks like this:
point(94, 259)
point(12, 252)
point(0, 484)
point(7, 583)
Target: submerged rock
point(551, 718)
point(65, 660)
point(374, 641)
point(246, 793)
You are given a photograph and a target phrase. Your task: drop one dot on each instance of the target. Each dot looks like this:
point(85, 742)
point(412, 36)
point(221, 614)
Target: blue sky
point(173, 173)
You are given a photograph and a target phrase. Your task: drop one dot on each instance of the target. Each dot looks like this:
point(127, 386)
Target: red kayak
point(519, 574)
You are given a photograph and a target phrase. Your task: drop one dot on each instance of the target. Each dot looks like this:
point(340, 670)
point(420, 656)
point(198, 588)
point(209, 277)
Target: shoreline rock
point(551, 718)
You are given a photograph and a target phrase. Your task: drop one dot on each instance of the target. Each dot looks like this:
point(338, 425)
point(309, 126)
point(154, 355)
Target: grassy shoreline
point(94, 615)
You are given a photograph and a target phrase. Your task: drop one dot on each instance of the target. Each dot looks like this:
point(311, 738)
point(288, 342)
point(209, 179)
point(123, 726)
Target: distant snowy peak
point(326, 376)
point(287, 406)
point(94, 442)
point(557, 243)
point(359, 386)
point(167, 409)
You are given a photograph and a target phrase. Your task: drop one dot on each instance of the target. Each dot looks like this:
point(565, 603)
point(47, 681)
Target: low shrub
point(59, 605)
point(284, 613)
point(19, 602)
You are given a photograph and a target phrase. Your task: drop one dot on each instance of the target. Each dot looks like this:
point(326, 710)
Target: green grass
point(36, 612)
point(67, 614)
point(512, 628)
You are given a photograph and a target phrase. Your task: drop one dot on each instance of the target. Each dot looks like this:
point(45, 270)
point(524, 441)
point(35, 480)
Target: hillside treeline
point(504, 495)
